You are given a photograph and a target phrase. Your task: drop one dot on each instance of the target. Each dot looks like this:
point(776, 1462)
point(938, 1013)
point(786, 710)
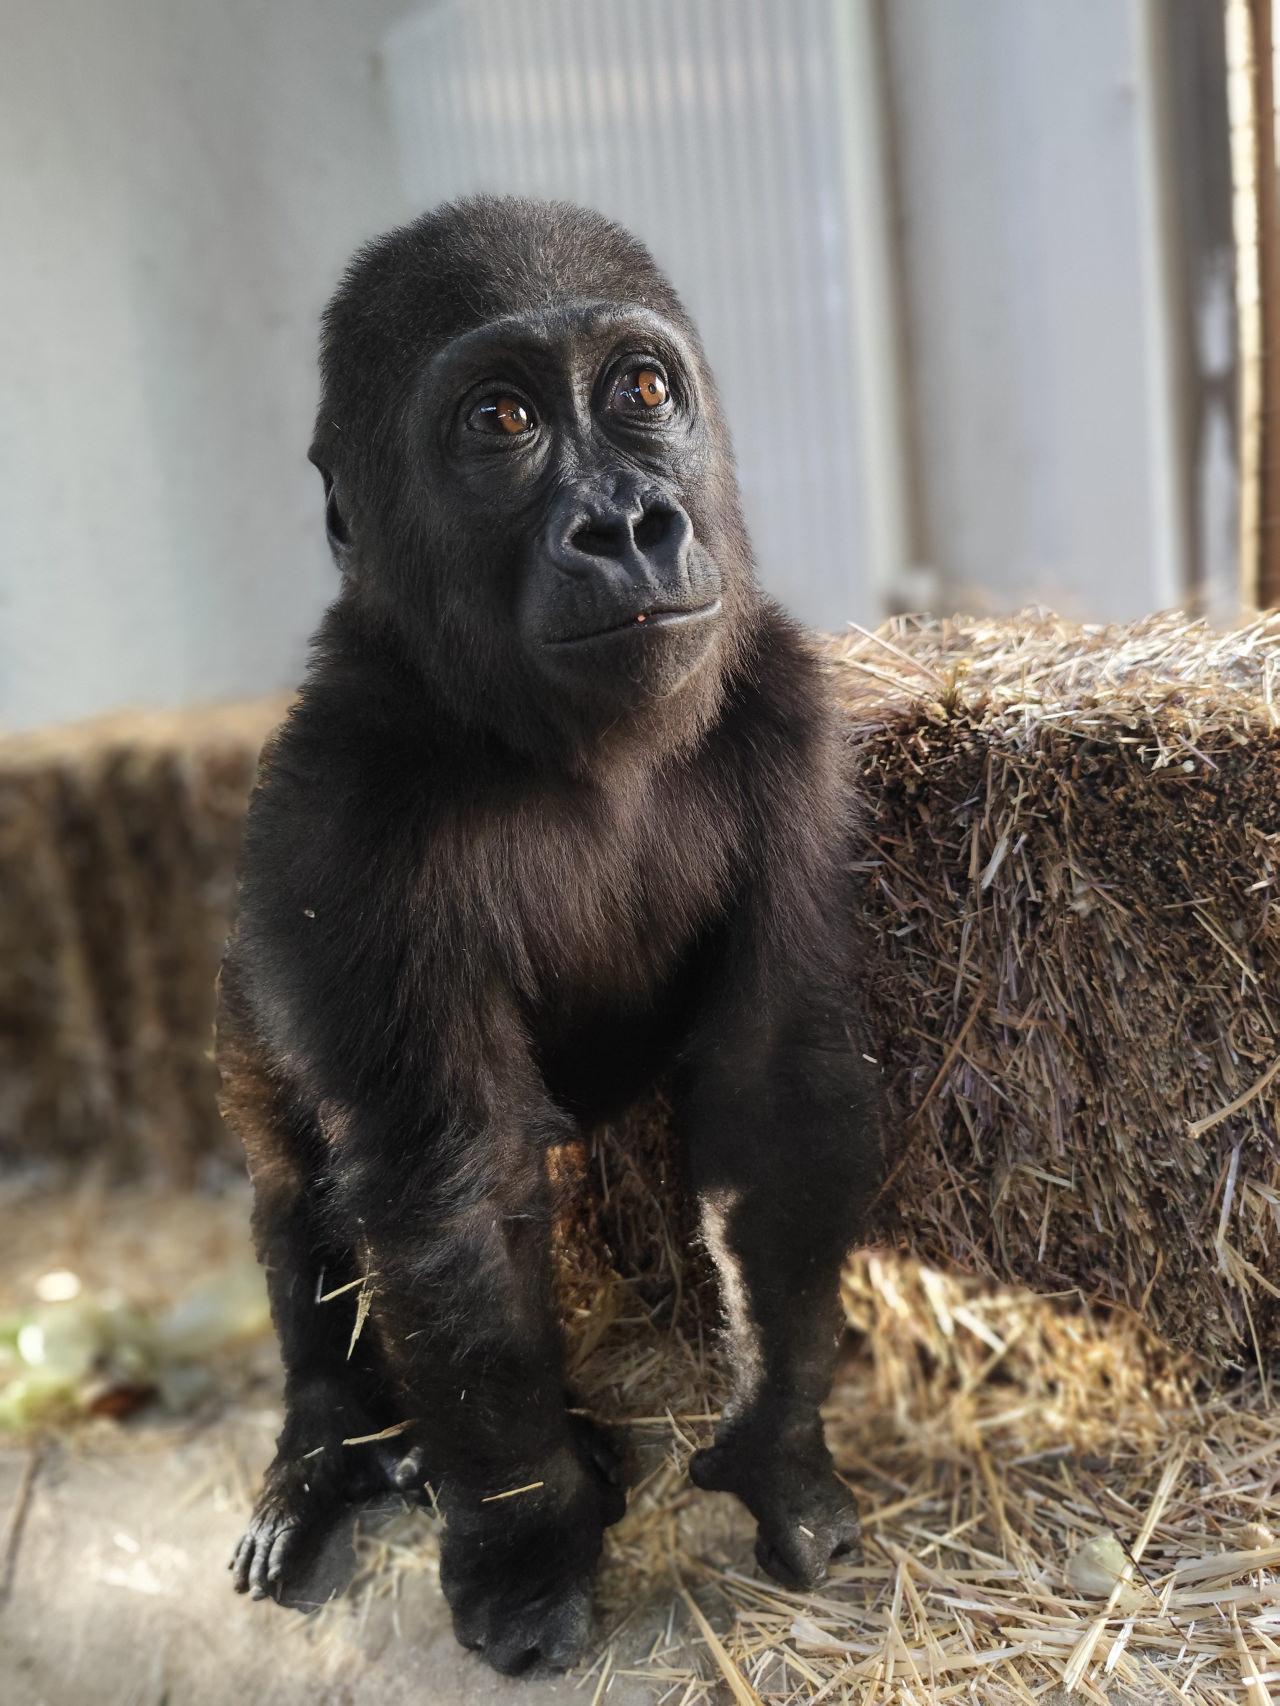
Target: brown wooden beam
point(1267, 189)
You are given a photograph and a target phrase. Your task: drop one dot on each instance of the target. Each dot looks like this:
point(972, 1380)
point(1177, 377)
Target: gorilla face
point(526, 471)
point(572, 435)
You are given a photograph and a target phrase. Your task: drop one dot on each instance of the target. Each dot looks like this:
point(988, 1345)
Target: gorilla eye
point(640, 390)
point(501, 414)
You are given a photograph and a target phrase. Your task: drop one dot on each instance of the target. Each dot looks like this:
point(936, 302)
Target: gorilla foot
point(804, 1512)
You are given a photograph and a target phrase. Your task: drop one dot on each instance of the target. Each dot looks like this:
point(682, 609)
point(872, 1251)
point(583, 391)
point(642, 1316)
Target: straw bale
point(118, 845)
point(1071, 850)
point(1068, 848)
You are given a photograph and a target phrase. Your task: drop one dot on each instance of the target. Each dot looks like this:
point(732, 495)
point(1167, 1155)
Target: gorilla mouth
point(642, 621)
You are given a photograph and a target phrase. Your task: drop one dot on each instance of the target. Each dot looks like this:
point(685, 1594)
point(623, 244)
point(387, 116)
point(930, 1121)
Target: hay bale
point(1071, 852)
point(1069, 847)
point(118, 846)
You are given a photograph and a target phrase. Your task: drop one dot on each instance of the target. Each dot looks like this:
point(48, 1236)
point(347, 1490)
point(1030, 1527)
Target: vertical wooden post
point(1191, 44)
point(1267, 189)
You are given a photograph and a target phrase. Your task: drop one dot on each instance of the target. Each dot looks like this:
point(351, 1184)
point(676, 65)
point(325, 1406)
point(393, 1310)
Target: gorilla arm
point(373, 986)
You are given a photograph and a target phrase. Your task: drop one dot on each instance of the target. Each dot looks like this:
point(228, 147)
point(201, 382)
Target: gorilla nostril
point(599, 541)
point(653, 527)
point(613, 536)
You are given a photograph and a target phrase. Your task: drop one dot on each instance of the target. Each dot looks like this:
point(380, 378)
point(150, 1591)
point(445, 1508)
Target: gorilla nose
point(623, 560)
point(644, 529)
point(645, 537)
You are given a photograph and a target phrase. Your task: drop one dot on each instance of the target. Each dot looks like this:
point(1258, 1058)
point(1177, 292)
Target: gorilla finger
point(599, 1448)
point(846, 1540)
point(469, 1632)
point(708, 1469)
point(258, 1584)
point(281, 1549)
point(409, 1474)
point(788, 1565)
point(566, 1632)
point(511, 1656)
point(242, 1562)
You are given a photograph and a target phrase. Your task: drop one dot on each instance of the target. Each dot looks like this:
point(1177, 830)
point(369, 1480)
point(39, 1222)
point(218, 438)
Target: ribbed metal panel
point(710, 128)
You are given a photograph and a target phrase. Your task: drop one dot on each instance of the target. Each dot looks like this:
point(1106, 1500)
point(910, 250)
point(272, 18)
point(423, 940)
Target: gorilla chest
point(607, 938)
point(605, 931)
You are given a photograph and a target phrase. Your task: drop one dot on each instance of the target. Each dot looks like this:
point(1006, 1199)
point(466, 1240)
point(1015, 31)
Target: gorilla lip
point(662, 617)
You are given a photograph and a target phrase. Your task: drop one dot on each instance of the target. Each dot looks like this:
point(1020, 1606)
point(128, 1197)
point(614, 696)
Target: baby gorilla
point(558, 810)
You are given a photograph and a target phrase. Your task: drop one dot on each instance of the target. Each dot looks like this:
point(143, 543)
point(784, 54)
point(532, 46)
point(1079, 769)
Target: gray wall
point(180, 182)
point(1032, 177)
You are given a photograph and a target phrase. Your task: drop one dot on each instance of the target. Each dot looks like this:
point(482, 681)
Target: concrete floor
point(113, 1582)
point(117, 1594)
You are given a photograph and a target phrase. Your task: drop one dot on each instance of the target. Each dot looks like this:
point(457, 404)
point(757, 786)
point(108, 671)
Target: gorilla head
point(528, 481)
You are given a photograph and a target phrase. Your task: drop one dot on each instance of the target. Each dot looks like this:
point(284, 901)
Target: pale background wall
point(180, 182)
point(1035, 273)
point(937, 228)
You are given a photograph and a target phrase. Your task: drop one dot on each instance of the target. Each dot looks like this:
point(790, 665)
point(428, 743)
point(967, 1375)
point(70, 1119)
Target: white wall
point(180, 183)
point(1036, 276)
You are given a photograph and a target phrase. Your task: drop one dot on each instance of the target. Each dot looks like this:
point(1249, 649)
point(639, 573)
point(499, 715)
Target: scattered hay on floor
point(988, 1436)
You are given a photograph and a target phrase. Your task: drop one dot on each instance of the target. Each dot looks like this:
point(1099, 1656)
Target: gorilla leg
point(783, 1150)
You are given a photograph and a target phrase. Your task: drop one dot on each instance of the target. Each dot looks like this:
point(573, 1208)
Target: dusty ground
point(114, 1537)
point(986, 1438)
point(117, 1594)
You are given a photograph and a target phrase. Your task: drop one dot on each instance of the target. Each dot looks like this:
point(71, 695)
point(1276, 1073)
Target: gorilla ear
point(336, 527)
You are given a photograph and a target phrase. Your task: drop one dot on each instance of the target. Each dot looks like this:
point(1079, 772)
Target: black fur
point(502, 870)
